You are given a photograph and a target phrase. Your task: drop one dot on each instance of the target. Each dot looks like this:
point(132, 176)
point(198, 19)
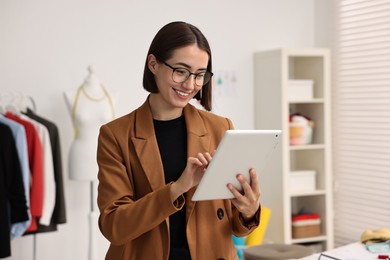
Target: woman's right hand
point(192, 174)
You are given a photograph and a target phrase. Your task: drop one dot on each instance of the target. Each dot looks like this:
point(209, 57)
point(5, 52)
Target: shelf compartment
point(308, 67)
point(315, 204)
point(315, 111)
point(301, 160)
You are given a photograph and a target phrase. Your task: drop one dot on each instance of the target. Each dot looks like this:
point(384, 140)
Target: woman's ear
point(152, 63)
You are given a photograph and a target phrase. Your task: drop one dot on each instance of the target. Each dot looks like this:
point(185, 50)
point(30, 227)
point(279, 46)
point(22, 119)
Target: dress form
point(90, 106)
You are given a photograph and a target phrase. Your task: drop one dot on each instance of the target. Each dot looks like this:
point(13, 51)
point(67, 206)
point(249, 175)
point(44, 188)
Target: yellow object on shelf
point(257, 235)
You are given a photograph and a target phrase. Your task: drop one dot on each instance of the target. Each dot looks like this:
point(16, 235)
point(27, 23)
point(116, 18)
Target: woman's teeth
point(181, 93)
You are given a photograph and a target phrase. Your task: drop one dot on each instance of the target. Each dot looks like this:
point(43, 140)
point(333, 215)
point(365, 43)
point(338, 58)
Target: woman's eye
point(181, 72)
point(200, 75)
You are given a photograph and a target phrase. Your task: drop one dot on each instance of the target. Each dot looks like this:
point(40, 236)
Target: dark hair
point(169, 38)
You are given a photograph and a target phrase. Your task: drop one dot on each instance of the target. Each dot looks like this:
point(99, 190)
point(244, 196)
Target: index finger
point(208, 157)
point(255, 185)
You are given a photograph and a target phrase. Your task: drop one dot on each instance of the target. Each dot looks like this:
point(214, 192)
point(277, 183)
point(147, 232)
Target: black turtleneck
point(172, 142)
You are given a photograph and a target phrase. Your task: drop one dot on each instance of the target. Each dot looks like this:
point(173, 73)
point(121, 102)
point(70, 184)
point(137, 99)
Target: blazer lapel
point(146, 146)
point(198, 137)
point(198, 141)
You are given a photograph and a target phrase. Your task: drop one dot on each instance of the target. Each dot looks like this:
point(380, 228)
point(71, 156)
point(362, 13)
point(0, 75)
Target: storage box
point(306, 231)
point(306, 225)
point(302, 181)
point(300, 89)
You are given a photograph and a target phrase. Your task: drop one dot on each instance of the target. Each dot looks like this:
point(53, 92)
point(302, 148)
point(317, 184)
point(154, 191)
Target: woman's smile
point(182, 93)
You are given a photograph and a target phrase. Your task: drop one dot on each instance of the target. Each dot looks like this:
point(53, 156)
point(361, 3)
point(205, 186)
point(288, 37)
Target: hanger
point(34, 107)
point(11, 106)
point(26, 102)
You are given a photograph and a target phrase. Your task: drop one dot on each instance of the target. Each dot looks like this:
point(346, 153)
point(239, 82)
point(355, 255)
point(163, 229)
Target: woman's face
point(173, 95)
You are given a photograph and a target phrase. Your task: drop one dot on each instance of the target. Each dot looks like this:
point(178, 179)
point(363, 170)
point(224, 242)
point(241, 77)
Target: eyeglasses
point(179, 75)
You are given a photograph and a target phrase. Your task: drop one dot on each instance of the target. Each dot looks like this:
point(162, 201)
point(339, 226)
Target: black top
point(172, 141)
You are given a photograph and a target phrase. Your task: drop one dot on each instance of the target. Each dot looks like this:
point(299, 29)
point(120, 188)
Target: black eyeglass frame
point(190, 73)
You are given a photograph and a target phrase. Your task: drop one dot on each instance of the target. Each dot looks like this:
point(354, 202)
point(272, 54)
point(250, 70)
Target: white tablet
point(238, 151)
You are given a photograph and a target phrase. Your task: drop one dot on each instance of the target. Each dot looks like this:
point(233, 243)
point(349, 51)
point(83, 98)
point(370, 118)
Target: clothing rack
point(24, 106)
point(93, 215)
point(35, 247)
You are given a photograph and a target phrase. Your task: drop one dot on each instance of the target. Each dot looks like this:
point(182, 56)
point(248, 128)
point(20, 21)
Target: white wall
point(46, 46)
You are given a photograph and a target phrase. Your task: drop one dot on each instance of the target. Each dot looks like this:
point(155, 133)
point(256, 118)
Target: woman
point(151, 160)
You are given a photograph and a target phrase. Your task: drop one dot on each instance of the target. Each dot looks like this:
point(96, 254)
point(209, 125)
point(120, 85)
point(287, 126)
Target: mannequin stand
point(93, 222)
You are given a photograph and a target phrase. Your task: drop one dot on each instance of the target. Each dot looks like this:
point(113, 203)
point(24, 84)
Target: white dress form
point(90, 106)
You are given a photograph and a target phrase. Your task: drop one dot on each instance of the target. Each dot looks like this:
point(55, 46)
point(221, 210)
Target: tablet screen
point(238, 151)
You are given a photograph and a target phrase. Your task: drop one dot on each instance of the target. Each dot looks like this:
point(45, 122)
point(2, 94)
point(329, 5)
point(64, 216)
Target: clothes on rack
point(13, 206)
point(19, 135)
point(48, 198)
point(38, 158)
point(59, 212)
point(34, 150)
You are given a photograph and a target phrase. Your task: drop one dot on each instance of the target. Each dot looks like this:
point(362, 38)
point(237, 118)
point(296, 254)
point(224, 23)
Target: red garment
point(35, 158)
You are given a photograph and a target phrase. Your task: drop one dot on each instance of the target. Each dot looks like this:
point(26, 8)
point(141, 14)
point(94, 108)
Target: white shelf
point(307, 193)
point(306, 147)
point(273, 70)
point(307, 101)
point(309, 240)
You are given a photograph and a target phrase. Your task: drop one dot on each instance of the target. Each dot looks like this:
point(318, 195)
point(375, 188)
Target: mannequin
point(90, 106)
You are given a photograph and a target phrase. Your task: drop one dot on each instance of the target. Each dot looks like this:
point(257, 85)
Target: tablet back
point(238, 151)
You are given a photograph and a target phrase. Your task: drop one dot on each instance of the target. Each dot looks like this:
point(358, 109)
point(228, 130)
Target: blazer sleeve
point(122, 218)
point(240, 227)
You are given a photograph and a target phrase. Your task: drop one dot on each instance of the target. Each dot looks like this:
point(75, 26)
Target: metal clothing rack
point(92, 226)
point(34, 247)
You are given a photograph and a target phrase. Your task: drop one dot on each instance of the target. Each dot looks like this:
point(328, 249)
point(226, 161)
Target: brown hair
point(169, 38)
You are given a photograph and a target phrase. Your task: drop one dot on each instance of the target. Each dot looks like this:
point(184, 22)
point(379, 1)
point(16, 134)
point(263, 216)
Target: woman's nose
point(189, 83)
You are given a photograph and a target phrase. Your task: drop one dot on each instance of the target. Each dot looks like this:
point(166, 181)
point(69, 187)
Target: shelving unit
point(273, 70)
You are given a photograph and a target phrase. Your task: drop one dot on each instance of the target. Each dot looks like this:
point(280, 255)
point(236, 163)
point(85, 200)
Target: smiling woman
point(175, 86)
point(151, 160)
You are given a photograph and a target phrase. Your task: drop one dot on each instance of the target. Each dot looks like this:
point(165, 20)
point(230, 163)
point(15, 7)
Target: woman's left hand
point(247, 201)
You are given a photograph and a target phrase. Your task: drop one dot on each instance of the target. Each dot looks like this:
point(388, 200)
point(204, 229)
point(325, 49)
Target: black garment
point(59, 212)
point(172, 142)
point(13, 204)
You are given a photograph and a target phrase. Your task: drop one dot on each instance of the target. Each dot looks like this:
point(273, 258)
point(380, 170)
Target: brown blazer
point(134, 200)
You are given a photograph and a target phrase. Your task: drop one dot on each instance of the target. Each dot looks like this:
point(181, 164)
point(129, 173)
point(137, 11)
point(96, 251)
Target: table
point(354, 251)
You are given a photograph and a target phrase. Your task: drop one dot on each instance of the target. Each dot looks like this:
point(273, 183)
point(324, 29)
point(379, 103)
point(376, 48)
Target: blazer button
point(220, 213)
